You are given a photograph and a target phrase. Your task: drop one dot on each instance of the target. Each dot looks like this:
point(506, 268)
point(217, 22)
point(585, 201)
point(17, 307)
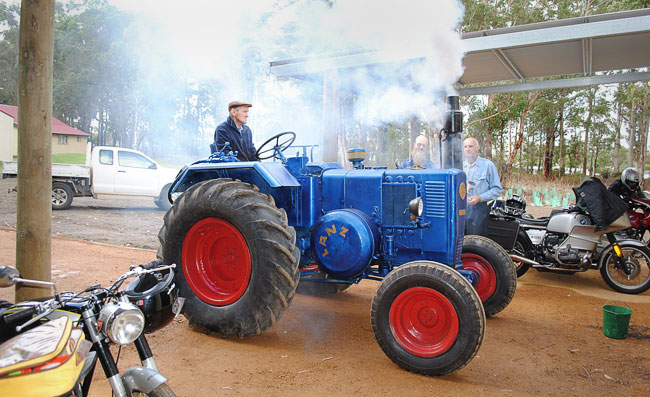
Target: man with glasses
point(483, 185)
point(419, 155)
point(235, 131)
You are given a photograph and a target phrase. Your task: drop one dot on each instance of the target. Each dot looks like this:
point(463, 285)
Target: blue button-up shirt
point(482, 179)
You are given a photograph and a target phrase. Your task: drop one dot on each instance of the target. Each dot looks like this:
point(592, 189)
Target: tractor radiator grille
point(435, 199)
point(395, 204)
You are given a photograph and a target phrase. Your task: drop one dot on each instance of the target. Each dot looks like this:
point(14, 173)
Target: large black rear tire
point(427, 318)
point(237, 254)
point(494, 270)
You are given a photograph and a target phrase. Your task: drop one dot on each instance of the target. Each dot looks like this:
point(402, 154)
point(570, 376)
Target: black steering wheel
point(278, 146)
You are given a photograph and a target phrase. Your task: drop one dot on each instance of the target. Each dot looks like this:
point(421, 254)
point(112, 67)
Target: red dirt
point(549, 341)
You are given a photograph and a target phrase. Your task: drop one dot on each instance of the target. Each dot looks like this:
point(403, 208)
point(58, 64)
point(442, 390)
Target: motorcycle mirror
point(8, 275)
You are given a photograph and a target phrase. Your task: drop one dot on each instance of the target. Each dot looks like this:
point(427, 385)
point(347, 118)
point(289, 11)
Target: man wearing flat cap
point(235, 131)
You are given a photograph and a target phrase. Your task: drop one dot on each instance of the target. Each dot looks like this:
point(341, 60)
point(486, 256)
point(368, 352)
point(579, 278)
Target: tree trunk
point(643, 135)
point(631, 140)
point(587, 128)
point(415, 128)
point(532, 97)
point(34, 201)
point(331, 115)
point(562, 148)
point(617, 140)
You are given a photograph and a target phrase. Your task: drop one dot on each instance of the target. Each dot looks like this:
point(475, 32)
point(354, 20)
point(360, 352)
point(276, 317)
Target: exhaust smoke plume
point(183, 46)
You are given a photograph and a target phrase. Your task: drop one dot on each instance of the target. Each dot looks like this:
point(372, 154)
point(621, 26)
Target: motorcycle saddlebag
point(503, 232)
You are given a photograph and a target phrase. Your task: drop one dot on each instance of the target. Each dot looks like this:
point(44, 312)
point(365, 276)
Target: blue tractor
point(248, 235)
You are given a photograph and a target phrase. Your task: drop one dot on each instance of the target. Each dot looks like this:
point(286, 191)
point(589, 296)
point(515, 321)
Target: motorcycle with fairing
point(569, 241)
point(51, 347)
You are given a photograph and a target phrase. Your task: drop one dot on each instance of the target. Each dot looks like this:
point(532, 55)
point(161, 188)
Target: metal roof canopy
point(523, 54)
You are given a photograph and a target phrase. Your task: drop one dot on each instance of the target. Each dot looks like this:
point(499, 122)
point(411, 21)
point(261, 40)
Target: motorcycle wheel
point(427, 318)
point(522, 245)
point(638, 258)
point(161, 391)
point(496, 279)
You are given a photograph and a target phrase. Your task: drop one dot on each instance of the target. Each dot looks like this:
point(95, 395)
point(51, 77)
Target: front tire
point(638, 259)
point(237, 254)
point(427, 318)
point(161, 391)
point(496, 276)
point(62, 196)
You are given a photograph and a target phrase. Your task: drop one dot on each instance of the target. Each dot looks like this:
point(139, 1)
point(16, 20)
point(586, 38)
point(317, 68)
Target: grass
point(69, 158)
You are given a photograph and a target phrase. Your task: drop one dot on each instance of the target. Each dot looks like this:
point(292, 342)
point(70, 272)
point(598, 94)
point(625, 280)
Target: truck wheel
point(496, 275)
point(427, 318)
point(237, 254)
point(162, 201)
point(62, 196)
point(317, 288)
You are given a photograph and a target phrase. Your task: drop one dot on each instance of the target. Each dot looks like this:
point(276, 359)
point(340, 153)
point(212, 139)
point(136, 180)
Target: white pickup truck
point(112, 172)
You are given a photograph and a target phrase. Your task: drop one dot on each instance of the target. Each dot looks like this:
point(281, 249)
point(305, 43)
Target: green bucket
point(616, 320)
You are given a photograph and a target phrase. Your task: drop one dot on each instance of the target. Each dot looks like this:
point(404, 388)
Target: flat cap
point(236, 104)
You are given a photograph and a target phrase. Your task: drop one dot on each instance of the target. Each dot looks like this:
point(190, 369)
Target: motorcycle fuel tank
point(343, 242)
point(563, 223)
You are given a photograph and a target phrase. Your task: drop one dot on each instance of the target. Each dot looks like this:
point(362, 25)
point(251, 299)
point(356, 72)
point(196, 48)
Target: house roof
point(58, 126)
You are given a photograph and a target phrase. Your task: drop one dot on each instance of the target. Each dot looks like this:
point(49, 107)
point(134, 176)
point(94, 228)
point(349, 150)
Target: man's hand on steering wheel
point(282, 141)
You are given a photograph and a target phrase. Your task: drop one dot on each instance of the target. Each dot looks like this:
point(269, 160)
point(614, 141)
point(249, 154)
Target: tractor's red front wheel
point(427, 318)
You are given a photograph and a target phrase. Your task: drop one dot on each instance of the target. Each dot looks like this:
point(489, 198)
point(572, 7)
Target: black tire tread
point(504, 269)
point(272, 246)
point(605, 275)
point(441, 275)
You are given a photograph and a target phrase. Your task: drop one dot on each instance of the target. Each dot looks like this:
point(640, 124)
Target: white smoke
point(201, 40)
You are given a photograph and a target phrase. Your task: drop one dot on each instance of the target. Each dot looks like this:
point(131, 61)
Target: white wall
point(8, 142)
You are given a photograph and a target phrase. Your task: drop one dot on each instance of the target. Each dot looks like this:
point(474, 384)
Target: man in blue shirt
point(419, 156)
point(235, 131)
point(483, 185)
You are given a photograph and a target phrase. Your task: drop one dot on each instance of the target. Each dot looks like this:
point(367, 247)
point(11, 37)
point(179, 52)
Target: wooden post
point(34, 209)
point(331, 115)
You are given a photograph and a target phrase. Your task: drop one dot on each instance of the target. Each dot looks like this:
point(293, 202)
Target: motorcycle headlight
point(121, 322)
point(416, 207)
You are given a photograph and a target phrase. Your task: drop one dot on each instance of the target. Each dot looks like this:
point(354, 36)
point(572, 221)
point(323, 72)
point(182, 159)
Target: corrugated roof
point(58, 126)
point(521, 55)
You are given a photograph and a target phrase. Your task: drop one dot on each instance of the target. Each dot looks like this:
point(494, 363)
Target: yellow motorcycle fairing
point(44, 361)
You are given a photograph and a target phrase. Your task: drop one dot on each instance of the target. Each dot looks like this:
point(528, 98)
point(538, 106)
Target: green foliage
point(69, 158)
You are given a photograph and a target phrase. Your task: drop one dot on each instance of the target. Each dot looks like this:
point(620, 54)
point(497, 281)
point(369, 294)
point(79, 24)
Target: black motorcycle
point(106, 316)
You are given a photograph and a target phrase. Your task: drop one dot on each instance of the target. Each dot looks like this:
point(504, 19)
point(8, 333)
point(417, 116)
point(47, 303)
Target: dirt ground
point(548, 341)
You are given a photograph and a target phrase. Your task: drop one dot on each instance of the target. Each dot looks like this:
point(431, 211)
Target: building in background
point(65, 139)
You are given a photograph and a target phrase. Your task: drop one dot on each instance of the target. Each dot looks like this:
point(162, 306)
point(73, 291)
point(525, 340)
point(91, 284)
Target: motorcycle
point(86, 324)
point(568, 242)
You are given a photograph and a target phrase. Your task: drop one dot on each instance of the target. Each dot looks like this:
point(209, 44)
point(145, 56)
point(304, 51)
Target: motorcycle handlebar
point(19, 317)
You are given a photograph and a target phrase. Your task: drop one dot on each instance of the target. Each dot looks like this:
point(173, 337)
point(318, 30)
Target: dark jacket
point(242, 143)
point(618, 188)
point(603, 206)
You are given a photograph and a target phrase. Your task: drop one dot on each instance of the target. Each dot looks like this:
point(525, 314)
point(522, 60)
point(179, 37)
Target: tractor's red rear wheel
point(237, 254)
point(496, 275)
